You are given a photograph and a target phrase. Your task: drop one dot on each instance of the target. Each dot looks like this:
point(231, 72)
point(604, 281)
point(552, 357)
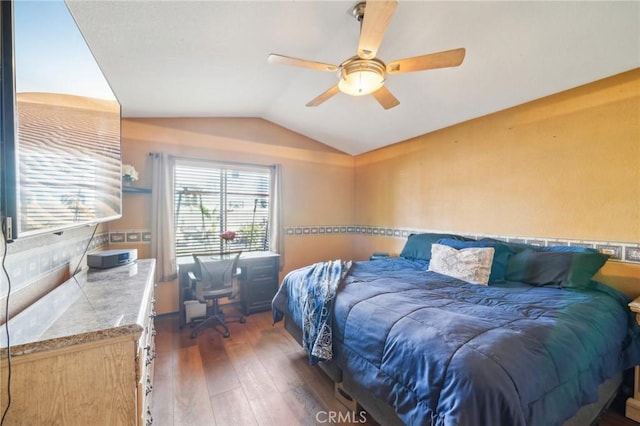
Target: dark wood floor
point(258, 376)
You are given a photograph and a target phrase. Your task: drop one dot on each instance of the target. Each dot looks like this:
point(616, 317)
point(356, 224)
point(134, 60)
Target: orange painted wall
point(565, 166)
point(317, 180)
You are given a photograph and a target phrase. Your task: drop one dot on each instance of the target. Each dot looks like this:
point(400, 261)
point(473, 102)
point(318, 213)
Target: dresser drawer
point(145, 356)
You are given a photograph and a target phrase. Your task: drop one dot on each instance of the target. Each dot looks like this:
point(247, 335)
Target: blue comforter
point(445, 352)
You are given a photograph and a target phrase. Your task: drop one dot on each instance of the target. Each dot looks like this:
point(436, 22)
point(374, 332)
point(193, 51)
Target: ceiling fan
point(365, 74)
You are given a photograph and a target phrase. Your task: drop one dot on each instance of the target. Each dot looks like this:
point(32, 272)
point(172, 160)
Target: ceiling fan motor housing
point(358, 11)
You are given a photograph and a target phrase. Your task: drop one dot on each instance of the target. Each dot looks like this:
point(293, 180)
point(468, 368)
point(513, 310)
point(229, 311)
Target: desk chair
point(214, 279)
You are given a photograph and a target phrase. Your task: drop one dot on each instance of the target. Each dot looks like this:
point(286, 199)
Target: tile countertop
point(94, 305)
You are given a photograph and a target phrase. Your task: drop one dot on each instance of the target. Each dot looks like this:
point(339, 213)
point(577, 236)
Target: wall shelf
point(136, 190)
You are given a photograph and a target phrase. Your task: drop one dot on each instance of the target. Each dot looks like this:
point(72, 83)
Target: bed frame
point(384, 414)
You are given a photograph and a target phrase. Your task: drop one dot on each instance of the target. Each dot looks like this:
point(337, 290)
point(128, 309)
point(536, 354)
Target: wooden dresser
point(83, 354)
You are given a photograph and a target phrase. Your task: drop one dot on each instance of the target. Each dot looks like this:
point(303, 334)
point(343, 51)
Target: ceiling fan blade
point(385, 98)
point(324, 96)
point(377, 14)
point(303, 63)
point(449, 58)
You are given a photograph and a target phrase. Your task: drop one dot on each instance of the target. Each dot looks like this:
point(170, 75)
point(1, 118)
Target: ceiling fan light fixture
point(360, 77)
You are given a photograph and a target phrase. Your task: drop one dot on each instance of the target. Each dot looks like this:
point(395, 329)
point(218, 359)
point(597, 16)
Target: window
point(212, 198)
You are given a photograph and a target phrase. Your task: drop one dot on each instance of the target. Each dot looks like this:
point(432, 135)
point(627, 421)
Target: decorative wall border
point(624, 252)
point(130, 236)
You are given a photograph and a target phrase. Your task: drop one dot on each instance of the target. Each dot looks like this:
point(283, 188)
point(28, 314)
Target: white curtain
point(163, 244)
point(276, 237)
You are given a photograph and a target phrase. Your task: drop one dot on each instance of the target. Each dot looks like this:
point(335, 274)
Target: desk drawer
point(262, 268)
point(262, 290)
point(257, 295)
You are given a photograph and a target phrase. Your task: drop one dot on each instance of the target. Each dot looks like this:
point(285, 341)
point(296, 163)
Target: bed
point(418, 340)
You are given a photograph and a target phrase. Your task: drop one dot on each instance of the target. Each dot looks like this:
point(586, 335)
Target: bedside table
point(632, 410)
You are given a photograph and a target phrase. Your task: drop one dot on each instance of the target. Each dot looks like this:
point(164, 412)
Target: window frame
point(208, 238)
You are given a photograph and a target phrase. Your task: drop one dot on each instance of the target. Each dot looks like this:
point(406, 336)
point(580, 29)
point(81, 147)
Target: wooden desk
point(259, 279)
point(633, 404)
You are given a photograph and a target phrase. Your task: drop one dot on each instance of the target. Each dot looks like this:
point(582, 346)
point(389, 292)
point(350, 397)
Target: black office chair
point(214, 279)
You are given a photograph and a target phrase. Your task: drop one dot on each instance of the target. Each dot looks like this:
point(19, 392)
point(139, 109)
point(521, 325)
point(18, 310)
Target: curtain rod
point(223, 163)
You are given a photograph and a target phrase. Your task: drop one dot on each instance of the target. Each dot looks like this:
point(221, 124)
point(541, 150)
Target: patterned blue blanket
point(314, 304)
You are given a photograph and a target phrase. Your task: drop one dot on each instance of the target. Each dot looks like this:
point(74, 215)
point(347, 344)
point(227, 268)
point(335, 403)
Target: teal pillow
point(418, 246)
point(562, 269)
point(501, 255)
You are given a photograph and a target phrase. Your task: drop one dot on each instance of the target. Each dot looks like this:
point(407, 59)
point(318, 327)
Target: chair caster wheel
point(242, 320)
point(226, 334)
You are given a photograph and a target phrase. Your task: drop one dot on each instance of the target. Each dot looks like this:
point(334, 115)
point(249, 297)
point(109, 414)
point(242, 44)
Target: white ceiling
point(209, 59)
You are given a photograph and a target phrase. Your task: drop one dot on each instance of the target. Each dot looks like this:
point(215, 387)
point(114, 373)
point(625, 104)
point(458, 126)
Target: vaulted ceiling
point(209, 59)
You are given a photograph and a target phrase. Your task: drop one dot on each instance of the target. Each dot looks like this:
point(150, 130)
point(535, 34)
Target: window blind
point(212, 198)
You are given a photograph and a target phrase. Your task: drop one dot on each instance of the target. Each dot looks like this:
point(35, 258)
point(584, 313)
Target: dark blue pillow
point(515, 247)
point(563, 269)
point(418, 246)
point(572, 249)
point(500, 256)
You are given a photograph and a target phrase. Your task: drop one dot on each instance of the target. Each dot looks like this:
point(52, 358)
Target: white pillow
point(470, 264)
